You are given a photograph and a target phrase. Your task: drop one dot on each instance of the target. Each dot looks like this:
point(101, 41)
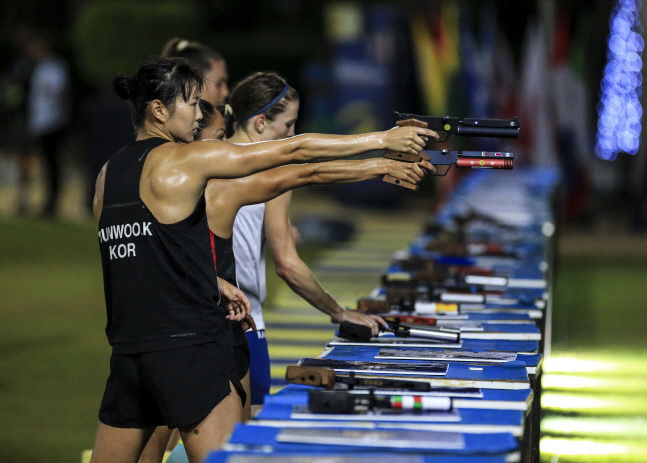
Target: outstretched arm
point(217, 159)
point(226, 196)
point(175, 175)
point(296, 273)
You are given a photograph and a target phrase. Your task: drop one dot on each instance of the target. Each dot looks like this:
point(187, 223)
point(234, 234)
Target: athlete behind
point(209, 62)
point(226, 197)
point(265, 108)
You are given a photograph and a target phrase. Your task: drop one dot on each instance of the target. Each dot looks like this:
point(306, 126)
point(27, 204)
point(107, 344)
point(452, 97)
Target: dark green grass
point(54, 354)
point(600, 303)
point(53, 351)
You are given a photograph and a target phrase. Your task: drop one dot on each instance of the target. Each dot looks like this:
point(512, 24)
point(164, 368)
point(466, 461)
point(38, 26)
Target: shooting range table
point(498, 358)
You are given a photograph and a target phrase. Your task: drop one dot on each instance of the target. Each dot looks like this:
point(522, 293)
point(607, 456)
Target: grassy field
point(54, 355)
point(53, 352)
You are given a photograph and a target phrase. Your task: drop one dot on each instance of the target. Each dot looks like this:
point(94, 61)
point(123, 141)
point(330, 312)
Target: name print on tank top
point(121, 231)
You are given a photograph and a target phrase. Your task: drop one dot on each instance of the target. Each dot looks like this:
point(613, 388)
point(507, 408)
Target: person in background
point(48, 116)
point(208, 62)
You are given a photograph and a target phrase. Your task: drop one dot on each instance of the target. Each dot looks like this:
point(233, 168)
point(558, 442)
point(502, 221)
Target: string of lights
point(619, 109)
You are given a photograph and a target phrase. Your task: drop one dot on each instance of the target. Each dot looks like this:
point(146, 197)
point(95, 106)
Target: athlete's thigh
point(154, 450)
point(119, 445)
point(212, 432)
point(247, 408)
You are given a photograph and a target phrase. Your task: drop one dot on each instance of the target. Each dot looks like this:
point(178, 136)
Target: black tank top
point(159, 279)
point(225, 260)
point(224, 250)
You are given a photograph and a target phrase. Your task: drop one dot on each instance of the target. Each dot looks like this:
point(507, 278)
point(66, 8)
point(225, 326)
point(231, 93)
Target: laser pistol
point(362, 333)
point(322, 401)
point(329, 379)
point(444, 159)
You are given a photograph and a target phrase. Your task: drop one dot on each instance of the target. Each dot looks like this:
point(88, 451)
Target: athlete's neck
point(245, 136)
point(152, 131)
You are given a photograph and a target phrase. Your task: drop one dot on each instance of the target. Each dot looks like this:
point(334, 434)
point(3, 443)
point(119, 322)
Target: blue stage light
point(619, 110)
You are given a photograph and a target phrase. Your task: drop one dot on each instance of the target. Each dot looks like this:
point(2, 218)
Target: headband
point(268, 105)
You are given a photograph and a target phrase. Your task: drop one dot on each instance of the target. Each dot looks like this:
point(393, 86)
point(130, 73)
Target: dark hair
point(258, 90)
point(196, 53)
point(163, 79)
point(208, 115)
point(228, 116)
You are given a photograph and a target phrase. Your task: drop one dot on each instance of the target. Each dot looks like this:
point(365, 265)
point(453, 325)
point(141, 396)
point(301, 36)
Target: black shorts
point(241, 349)
point(242, 360)
point(176, 387)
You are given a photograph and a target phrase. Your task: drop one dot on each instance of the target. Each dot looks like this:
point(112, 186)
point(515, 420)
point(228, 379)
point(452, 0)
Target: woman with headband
point(265, 108)
point(172, 359)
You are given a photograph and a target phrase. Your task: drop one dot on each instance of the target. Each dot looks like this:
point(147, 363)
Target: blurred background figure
point(206, 60)
point(48, 116)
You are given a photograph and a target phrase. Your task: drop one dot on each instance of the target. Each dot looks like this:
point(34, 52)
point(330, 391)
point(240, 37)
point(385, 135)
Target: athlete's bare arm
point(174, 175)
point(235, 301)
point(97, 201)
point(298, 276)
point(217, 159)
point(226, 196)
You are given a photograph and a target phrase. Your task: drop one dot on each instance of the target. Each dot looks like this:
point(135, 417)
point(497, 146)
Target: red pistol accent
point(485, 163)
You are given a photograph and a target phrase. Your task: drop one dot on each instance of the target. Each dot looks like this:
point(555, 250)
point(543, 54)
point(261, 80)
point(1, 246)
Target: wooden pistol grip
point(405, 156)
point(372, 306)
point(312, 376)
point(398, 182)
point(411, 122)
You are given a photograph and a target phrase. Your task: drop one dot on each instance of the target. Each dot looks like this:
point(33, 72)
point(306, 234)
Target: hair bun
point(123, 85)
